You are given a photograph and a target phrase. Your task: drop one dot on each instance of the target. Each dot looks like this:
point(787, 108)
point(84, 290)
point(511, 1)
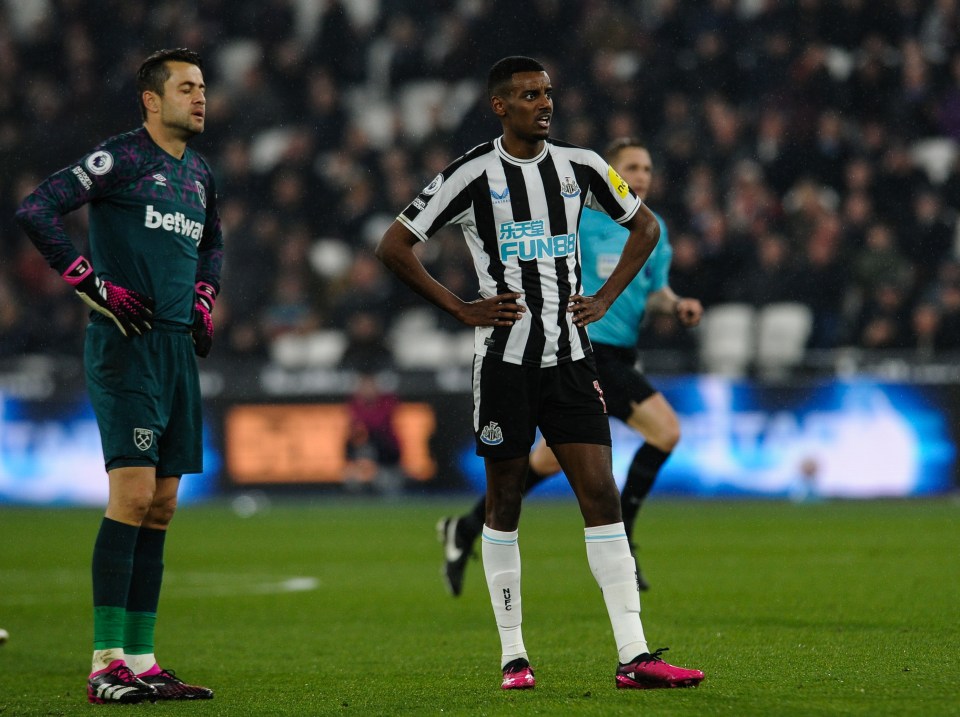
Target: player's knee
point(130, 507)
point(600, 505)
point(161, 511)
point(666, 435)
point(671, 436)
point(503, 511)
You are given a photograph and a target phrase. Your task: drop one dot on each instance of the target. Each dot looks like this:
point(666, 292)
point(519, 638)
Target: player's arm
point(207, 280)
point(644, 234)
point(40, 215)
point(665, 301)
point(395, 250)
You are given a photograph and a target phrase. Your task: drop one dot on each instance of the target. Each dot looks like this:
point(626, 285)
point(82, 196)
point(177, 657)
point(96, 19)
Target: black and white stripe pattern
point(520, 219)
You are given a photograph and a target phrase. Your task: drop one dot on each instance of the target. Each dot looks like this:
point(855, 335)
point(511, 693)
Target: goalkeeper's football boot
point(171, 687)
point(648, 671)
point(456, 552)
point(518, 675)
point(118, 685)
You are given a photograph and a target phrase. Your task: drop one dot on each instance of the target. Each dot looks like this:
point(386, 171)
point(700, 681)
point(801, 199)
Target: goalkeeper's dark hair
point(154, 71)
point(503, 70)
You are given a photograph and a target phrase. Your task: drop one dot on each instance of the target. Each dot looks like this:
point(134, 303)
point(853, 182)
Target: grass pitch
point(336, 607)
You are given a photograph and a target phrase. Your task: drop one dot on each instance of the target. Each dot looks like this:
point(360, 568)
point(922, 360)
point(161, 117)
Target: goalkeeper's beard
point(185, 128)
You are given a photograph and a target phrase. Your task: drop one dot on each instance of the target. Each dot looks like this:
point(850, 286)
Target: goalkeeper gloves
point(129, 310)
point(206, 297)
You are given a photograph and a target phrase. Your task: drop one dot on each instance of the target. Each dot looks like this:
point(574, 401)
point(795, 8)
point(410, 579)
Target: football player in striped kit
point(630, 396)
point(156, 251)
point(518, 200)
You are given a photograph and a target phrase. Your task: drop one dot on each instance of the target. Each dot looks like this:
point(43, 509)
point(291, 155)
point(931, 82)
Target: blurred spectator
point(925, 325)
point(880, 261)
point(373, 449)
point(948, 107)
point(770, 277)
point(290, 309)
point(366, 349)
point(824, 288)
point(14, 334)
point(883, 320)
point(927, 241)
point(948, 329)
point(367, 288)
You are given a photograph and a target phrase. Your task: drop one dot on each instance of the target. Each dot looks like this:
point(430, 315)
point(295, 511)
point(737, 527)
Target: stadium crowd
point(806, 149)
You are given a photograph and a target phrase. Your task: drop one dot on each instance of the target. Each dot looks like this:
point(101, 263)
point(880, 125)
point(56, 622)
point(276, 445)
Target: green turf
point(849, 608)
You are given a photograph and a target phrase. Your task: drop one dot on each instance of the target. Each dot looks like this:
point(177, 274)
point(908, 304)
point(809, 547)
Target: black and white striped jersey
point(521, 218)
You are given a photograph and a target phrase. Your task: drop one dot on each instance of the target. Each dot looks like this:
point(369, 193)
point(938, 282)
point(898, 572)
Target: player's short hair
point(154, 71)
point(503, 70)
point(621, 143)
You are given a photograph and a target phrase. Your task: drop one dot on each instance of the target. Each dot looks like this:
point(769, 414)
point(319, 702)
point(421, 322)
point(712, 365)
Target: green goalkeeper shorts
point(145, 393)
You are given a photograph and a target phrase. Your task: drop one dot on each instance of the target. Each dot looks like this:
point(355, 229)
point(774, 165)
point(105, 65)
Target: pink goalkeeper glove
point(130, 311)
point(206, 297)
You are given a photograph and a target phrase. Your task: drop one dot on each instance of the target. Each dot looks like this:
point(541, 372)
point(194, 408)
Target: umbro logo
point(159, 180)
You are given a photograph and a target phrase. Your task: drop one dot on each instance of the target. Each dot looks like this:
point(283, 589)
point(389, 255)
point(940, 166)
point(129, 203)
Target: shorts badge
point(143, 438)
point(491, 434)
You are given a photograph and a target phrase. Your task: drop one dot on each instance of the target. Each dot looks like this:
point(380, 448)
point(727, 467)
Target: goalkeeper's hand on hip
point(129, 310)
point(204, 299)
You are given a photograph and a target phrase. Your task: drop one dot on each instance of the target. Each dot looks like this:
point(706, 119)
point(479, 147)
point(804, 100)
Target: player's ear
point(151, 100)
point(498, 106)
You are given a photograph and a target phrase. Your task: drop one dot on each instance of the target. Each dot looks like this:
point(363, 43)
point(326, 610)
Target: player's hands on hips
point(689, 312)
point(128, 309)
point(205, 298)
point(499, 310)
point(586, 309)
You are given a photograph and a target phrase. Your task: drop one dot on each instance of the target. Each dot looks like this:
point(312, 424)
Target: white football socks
point(102, 659)
point(141, 663)
point(501, 565)
point(616, 573)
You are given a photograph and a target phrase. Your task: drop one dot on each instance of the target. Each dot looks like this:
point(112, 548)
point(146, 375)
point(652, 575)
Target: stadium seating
point(782, 332)
point(727, 338)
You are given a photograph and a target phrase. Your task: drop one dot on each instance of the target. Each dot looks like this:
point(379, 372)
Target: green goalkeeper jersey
point(154, 226)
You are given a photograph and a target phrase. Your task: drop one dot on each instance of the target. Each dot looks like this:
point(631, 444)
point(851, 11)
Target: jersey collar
point(507, 157)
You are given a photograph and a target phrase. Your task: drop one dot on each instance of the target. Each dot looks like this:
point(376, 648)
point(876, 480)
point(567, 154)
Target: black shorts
point(510, 402)
point(623, 384)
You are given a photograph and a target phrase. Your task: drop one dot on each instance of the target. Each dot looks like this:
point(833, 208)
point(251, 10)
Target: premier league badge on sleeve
point(99, 162)
point(434, 186)
point(203, 194)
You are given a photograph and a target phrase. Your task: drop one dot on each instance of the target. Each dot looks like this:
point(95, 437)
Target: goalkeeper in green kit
point(151, 279)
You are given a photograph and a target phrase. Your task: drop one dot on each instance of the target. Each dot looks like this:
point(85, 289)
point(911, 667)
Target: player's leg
point(579, 433)
point(147, 578)
point(656, 421)
point(126, 417)
point(614, 569)
point(543, 464)
point(505, 429)
point(588, 468)
point(632, 399)
point(501, 565)
point(458, 534)
point(180, 452)
point(131, 492)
